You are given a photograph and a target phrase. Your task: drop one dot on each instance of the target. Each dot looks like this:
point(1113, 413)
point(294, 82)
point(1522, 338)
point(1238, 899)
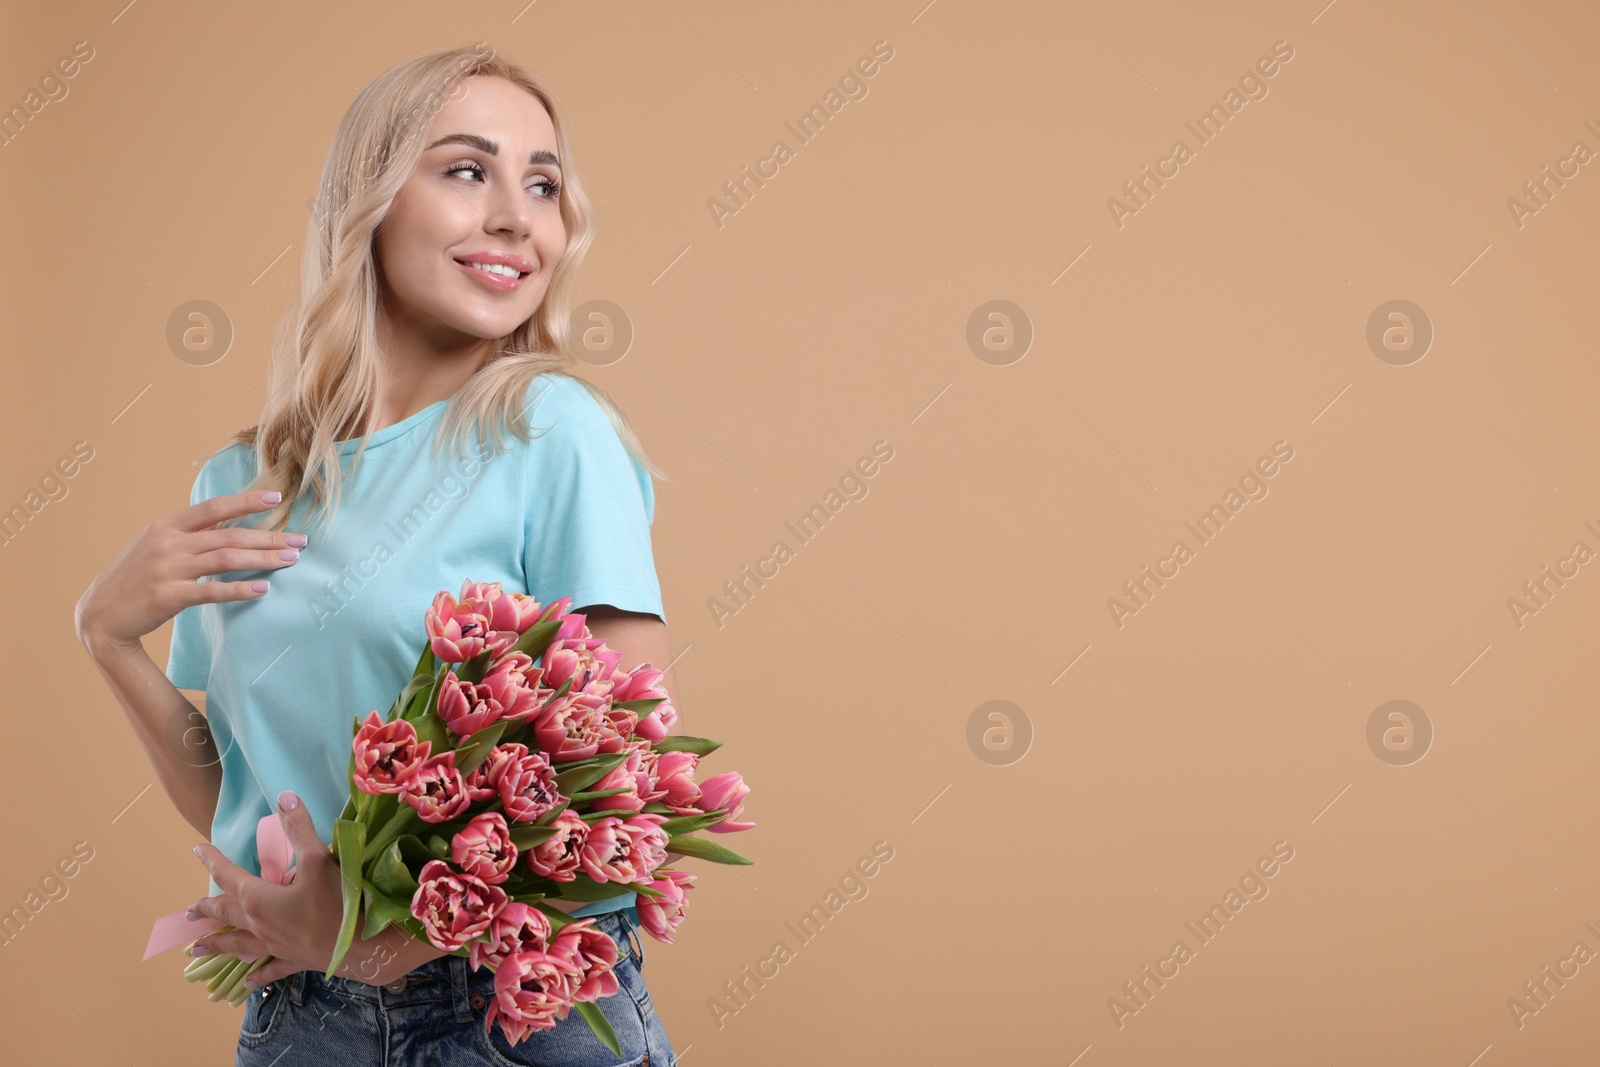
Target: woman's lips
point(502, 282)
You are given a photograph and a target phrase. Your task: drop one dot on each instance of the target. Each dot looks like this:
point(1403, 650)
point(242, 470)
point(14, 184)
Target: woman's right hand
point(154, 577)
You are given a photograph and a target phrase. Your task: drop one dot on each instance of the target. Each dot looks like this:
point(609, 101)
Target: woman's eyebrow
point(483, 144)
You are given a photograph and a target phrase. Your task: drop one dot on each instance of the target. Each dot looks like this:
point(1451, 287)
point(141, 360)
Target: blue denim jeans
point(435, 1016)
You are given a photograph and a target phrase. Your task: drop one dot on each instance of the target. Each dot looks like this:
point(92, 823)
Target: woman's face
point(485, 190)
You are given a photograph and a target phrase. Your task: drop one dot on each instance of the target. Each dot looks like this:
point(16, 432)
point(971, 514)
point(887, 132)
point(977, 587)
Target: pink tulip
point(672, 780)
point(526, 783)
point(457, 630)
point(594, 953)
point(436, 790)
point(577, 729)
point(630, 775)
point(467, 707)
point(624, 850)
point(483, 847)
point(453, 907)
point(518, 928)
point(514, 612)
point(726, 790)
point(530, 993)
point(387, 754)
point(643, 683)
point(660, 916)
point(557, 857)
point(584, 661)
point(481, 782)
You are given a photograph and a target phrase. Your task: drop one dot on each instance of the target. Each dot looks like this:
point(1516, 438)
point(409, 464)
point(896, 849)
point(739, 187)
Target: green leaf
point(579, 798)
point(642, 708)
point(389, 874)
point(475, 668)
point(381, 910)
point(414, 854)
point(700, 746)
point(536, 638)
point(592, 817)
point(349, 841)
point(578, 778)
point(588, 890)
point(439, 847)
point(700, 848)
point(688, 824)
point(599, 1024)
point(425, 662)
point(657, 808)
point(431, 728)
point(401, 822)
point(550, 816)
point(475, 749)
point(379, 809)
point(406, 702)
point(526, 837)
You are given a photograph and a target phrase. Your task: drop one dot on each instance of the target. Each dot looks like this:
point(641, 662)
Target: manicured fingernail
point(251, 982)
point(288, 553)
point(197, 851)
point(199, 950)
point(261, 586)
point(191, 914)
point(287, 801)
point(297, 540)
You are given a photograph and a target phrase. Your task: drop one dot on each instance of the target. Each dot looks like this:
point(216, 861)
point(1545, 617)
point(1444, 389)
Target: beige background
point(832, 312)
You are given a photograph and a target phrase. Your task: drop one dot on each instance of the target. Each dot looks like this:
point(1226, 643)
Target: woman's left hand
point(298, 923)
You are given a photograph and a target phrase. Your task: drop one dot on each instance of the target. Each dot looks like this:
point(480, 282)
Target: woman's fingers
point(241, 943)
point(217, 509)
point(301, 831)
point(274, 970)
point(237, 548)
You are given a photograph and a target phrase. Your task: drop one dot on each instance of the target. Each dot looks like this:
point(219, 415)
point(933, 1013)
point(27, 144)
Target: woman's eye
point(550, 189)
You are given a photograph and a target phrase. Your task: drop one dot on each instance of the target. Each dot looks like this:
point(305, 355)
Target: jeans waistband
point(447, 978)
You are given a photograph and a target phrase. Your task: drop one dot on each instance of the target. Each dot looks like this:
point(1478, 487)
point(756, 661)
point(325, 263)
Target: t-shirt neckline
point(390, 432)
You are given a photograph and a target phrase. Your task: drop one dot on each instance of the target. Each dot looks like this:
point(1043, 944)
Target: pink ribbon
point(277, 855)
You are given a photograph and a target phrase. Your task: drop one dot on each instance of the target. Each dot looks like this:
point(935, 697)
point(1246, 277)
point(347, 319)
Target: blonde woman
point(421, 429)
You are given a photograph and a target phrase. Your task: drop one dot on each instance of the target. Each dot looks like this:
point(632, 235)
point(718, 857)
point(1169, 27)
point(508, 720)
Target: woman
point(436, 279)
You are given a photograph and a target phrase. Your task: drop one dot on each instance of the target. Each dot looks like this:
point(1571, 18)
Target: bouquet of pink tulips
point(494, 785)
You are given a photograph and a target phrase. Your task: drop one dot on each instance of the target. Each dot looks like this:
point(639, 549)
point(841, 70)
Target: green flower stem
point(235, 990)
point(398, 825)
point(220, 979)
point(205, 968)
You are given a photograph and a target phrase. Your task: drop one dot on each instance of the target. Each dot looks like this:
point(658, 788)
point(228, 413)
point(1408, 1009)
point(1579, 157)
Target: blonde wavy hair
point(327, 366)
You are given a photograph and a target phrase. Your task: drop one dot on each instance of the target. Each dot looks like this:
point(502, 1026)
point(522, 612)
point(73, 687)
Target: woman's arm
point(171, 730)
point(640, 637)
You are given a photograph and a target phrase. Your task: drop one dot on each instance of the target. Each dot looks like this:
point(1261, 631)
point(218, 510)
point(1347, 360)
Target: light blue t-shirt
point(337, 635)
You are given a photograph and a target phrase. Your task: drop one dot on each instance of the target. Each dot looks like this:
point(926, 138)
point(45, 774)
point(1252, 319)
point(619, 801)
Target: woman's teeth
point(495, 268)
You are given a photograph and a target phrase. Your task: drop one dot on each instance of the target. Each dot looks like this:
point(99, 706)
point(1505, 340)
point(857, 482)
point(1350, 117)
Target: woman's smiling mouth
point(500, 270)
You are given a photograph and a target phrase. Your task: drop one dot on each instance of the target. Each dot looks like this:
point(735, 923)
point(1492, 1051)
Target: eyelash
point(553, 187)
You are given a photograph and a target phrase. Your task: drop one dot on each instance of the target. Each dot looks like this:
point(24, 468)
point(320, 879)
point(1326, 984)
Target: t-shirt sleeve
point(189, 658)
point(589, 508)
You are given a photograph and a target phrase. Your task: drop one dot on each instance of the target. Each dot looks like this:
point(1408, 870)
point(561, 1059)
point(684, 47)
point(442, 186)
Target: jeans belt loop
point(297, 988)
point(458, 985)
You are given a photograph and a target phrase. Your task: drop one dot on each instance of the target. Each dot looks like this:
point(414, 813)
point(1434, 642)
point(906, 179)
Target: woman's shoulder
point(556, 392)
